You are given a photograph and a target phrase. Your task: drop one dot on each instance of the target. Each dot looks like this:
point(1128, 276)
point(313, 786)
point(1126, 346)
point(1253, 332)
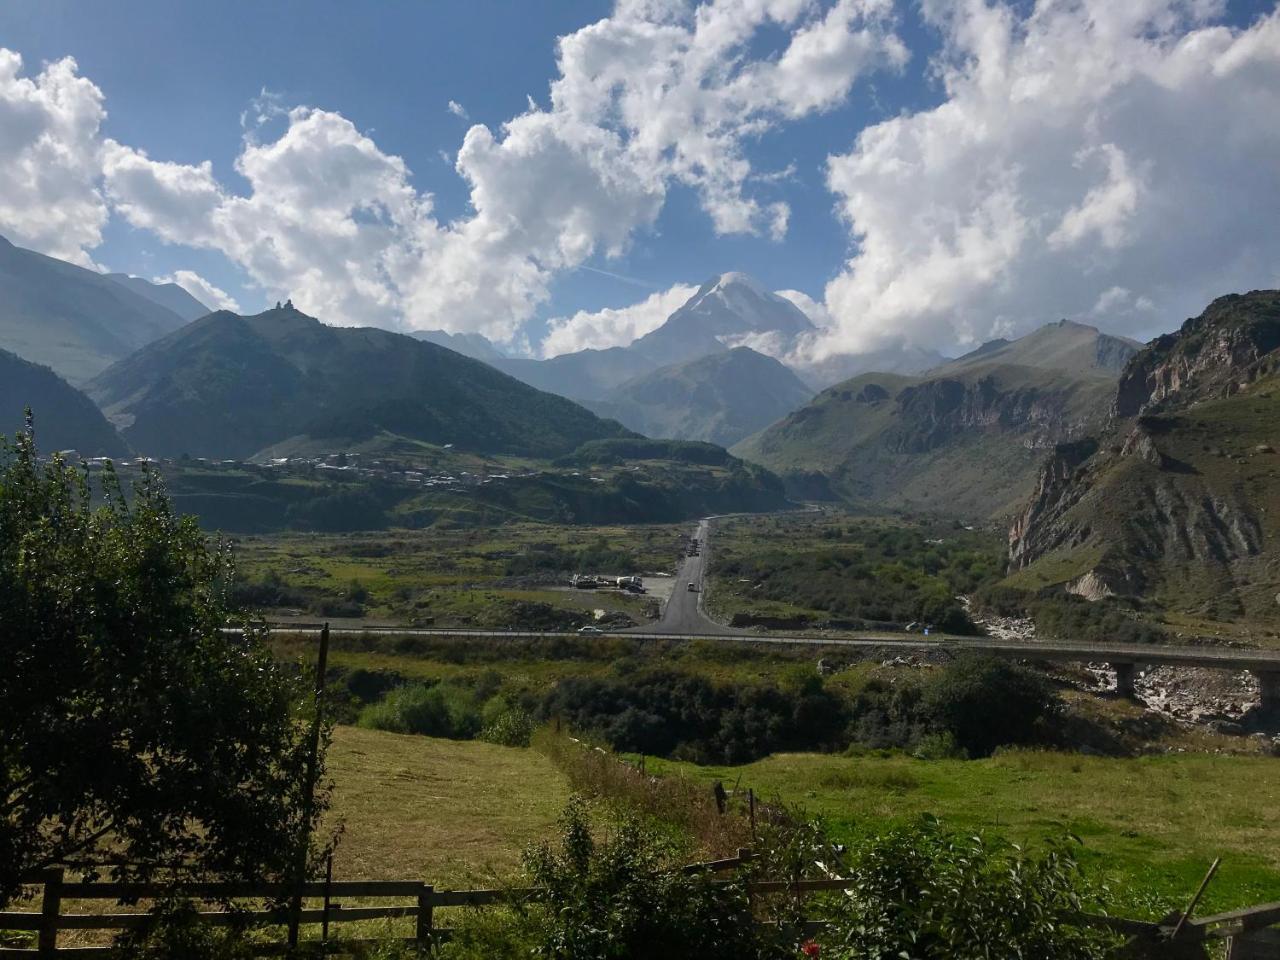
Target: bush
point(513, 727)
point(872, 575)
point(675, 714)
point(175, 931)
point(433, 710)
point(920, 891)
point(626, 897)
point(985, 702)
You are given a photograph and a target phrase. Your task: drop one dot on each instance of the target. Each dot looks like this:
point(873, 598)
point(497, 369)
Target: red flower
point(810, 949)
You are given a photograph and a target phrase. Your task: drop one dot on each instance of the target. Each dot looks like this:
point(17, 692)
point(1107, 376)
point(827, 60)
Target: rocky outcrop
point(935, 412)
point(1156, 492)
point(1232, 342)
point(1034, 532)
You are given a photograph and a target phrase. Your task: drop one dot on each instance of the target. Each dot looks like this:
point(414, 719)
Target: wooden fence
point(1248, 932)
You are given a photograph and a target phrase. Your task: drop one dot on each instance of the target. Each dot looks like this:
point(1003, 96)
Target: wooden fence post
point(309, 789)
point(50, 911)
point(426, 908)
point(328, 899)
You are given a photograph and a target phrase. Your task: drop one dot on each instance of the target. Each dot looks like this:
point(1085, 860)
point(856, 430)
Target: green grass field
point(453, 577)
point(1152, 823)
point(446, 812)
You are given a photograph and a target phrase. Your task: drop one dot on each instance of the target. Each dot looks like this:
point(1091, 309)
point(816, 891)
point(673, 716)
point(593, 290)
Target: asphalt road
point(683, 612)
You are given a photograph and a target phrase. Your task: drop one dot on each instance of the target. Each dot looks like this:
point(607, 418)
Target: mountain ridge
point(720, 398)
point(230, 386)
point(73, 320)
point(966, 438)
point(65, 419)
point(1174, 501)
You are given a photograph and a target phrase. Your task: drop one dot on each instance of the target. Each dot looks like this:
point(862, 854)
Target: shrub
point(175, 931)
point(433, 710)
point(920, 891)
point(984, 702)
point(668, 713)
point(624, 896)
point(511, 728)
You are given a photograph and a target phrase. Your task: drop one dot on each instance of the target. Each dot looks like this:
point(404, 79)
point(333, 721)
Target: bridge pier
point(1269, 685)
point(1124, 678)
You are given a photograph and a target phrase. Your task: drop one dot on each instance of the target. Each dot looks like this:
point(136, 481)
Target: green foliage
point(984, 702)
point(673, 714)
point(512, 727)
point(617, 450)
point(873, 574)
point(920, 891)
point(968, 707)
point(623, 896)
point(129, 722)
point(1063, 616)
point(174, 931)
point(432, 710)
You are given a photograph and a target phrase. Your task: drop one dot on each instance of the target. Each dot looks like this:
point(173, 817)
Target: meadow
point(1149, 825)
point(506, 576)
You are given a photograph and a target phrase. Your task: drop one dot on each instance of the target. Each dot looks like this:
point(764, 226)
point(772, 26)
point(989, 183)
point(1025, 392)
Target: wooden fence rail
point(1248, 931)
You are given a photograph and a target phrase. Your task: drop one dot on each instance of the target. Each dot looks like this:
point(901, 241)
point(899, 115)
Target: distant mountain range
point(1174, 500)
point(965, 438)
point(231, 386)
point(648, 384)
point(721, 398)
point(473, 345)
point(167, 295)
point(65, 418)
point(79, 322)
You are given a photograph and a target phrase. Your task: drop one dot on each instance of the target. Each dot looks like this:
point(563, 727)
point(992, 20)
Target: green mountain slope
point(1065, 345)
point(65, 418)
point(231, 386)
point(965, 439)
point(720, 398)
point(1177, 501)
point(71, 319)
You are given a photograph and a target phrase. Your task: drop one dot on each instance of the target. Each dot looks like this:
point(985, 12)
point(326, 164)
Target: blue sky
point(178, 83)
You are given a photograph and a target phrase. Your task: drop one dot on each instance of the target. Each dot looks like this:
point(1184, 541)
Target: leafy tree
point(133, 731)
point(985, 702)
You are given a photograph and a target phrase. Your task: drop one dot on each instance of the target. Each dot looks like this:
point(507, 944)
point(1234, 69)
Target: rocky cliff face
point(937, 411)
point(1173, 495)
point(1034, 532)
point(1232, 343)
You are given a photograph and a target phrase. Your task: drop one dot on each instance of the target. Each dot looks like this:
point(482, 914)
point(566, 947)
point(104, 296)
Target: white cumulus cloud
point(655, 94)
point(1090, 158)
point(215, 298)
point(613, 327)
point(49, 169)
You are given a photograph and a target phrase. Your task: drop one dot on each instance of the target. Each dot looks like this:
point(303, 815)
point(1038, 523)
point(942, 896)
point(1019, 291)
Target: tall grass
point(685, 804)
